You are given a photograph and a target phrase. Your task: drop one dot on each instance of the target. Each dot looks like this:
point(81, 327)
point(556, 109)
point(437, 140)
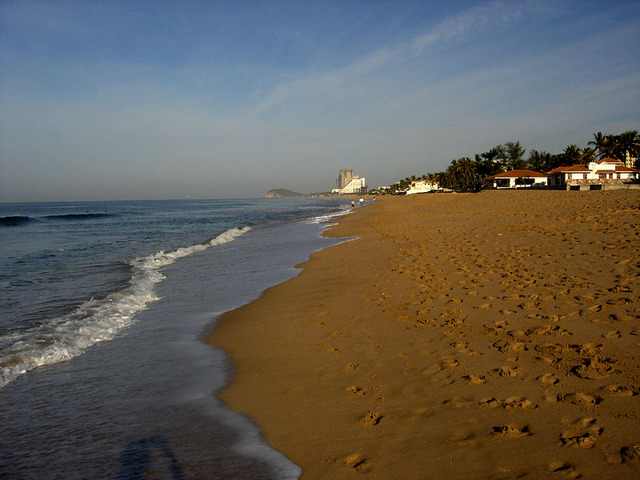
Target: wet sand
point(460, 336)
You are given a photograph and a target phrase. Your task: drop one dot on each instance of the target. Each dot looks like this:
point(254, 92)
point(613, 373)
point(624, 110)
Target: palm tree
point(627, 145)
point(464, 171)
point(539, 161)
point(518, 164)
point(444, 179)
point(554, 161)
point(514, 152)
point(405, 183)
point(588, 155)
point(432, 178)
point(487, 164)
point(572, 154)
point(603, 143)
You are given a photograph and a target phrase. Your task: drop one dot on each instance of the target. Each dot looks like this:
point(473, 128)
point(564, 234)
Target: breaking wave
point(14, 221)
point(17, 220)
point(68, 336)
point(328, 217)
point(78, 216)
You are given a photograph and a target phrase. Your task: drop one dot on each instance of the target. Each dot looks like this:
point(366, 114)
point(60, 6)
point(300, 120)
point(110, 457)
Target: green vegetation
point(465, 174)
point(283, 193)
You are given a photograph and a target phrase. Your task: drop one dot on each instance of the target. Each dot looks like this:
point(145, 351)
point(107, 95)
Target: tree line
point(465, 174)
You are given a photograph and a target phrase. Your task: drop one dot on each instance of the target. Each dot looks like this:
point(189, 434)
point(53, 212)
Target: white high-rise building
point(348, 183)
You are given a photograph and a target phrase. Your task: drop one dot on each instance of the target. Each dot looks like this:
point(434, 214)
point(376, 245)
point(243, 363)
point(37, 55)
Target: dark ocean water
point(103, 311)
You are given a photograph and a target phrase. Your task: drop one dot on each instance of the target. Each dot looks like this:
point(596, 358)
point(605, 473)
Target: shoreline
point(490, 335)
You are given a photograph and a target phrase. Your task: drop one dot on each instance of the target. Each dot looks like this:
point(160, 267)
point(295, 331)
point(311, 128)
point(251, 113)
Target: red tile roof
point(519, 174)
point(609, 160)
point(622, 168)
point(573, 168)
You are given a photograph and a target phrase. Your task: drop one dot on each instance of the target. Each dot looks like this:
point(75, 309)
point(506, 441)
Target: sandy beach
point(459, 336)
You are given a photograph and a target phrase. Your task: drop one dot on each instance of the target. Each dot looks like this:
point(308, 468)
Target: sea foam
point(330, 216)
point(96, 320)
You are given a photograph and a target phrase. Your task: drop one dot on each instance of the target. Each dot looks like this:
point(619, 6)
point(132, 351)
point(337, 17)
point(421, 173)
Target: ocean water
point(103, 311)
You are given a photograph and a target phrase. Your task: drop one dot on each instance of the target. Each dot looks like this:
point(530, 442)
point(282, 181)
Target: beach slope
point(460, 336)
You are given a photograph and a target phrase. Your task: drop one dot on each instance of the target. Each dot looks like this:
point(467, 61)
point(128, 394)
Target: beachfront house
point(567, 175)
point(519, 179)
point(605, 173)
point(422, 186)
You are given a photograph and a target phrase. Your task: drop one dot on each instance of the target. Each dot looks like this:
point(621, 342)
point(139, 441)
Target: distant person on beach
point(361, 202)
point(353, 204)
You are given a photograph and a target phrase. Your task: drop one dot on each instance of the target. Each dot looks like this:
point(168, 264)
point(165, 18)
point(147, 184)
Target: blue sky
point(137, 99)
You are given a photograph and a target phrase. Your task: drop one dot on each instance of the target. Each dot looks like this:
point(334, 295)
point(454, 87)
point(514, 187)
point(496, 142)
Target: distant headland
point(283, 193)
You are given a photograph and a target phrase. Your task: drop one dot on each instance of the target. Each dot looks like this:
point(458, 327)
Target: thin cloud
point(451, 29)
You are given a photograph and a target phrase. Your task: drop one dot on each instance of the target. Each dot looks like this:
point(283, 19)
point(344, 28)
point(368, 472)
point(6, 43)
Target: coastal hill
point(283, 193)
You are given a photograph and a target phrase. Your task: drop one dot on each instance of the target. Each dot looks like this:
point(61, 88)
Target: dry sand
point(465, 336)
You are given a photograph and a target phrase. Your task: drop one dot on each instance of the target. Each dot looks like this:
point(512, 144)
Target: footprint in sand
point(577, 439)
point(548, 329)
point(504, 346)
point(461, 346)
point(458, 402)
point(619, 391)
point(372, 418)
point(548, 379)
point(596, 368)
point(454, 322)
point(518, 346)
point(358, 462)
point(500, 345)
point(507, 371)
point(447, 362)
point(474, 379)
point(420, 413)
point(356, 390)
point(512, 430)
point(508, 404)
point(518, 402)
point(351, 366)
point(464, 437)
point(424, 322)
point(584, 434)
point(489, 402)
point(565, 469)
point(619, 301)
point(630, 454)
point(529, 305)
point(591, 348)
point(552, 397)
point(496, 327)
point(580, 398)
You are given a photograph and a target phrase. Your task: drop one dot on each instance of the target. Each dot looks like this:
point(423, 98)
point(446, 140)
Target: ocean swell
point(77, 216)
point(96, 320)
point(14, 221)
